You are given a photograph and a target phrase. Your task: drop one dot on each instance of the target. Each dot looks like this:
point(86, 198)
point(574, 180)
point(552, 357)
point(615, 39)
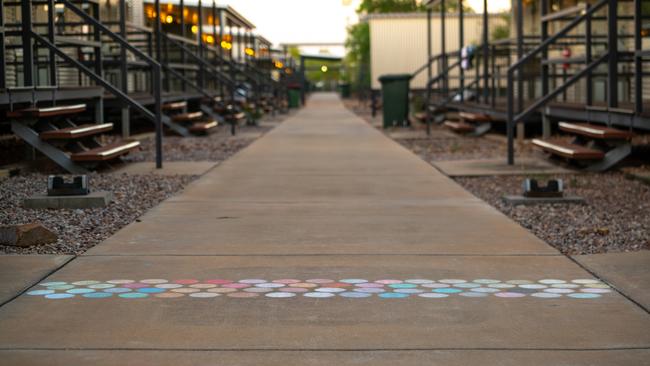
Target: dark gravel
point(79, 230)
point(218, 146)
point(614, 219)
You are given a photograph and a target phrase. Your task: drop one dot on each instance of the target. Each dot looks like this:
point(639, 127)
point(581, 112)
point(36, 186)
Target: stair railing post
point(124, 70)
point(3, 65)
point(429, 73)
point(461, 45)
point(612, 44)
point(486, 52)
point(443, 47)
point(588, 57)
point(28, 45)
point(638, 59)
point(546, 125)
point(157, 76)
point(51, 36)
point(201, 45)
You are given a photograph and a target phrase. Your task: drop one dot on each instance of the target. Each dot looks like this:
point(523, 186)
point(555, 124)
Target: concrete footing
point(521, 200)
point(93, 200)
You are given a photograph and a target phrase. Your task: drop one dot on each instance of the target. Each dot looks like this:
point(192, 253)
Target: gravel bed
point(79, 230)
point(218, 146)
point(614, 219)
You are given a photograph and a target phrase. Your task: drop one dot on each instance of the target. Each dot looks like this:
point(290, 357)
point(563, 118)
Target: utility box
point(395, 97)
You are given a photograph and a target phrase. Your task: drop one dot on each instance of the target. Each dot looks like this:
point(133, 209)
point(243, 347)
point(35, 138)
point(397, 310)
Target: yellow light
point(323, 68)
point(226, 45)
point(45, 7)
point(279, 64)
point(195, 18)
point(195, 29)
point(169, 19)
point(288, 71)
point(209, 39)
point(250, 51)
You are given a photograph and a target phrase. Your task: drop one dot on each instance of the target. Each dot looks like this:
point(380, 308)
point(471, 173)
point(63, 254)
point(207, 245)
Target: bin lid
point(394, 77)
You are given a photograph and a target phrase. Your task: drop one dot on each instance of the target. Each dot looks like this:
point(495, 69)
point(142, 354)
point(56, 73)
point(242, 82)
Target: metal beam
point(612, 44)
point(28, 47)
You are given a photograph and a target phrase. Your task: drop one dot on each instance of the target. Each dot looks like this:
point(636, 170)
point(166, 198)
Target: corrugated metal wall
point(398, 43)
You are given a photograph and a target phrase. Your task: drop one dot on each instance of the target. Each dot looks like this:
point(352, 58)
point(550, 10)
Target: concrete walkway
point(323, 243)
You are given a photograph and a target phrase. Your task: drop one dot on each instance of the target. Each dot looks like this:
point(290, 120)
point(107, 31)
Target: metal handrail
point(156, 116)
point(512, 119)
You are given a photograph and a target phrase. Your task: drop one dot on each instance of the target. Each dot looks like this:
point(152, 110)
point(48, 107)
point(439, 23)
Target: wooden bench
point(76, 132)
point(105, 153)
point(568, 150)
point(47, 111)
point(595, 132)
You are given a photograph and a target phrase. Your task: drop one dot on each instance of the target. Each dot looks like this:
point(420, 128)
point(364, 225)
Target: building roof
point(233, 14)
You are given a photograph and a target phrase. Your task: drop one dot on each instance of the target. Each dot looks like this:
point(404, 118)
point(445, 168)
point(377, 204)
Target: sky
point(299, 21)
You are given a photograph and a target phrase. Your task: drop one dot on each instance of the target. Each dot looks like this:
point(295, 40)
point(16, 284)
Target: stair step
point(47, 111)
point(461, 127)
point(422, 117)
point(76, 132)
point(474, 117)
point(203, 127)
point(174, 106)
point(107, 152)
point(595, 132)
point(187, 117)
point(236, 116)
point(569, 150)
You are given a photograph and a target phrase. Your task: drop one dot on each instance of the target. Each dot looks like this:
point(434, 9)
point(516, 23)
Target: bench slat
point(47, 111)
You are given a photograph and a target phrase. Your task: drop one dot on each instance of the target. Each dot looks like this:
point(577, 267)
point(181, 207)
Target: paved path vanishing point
point(323, 243)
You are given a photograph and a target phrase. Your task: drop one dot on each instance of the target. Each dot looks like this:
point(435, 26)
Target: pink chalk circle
point(304, 285)
point(203, 285)
point(286, 281)
point(534, 286)
point(486, 290)
point(252, 281)
point(486, 281)
point(222, 290)
point(218, 282)
point(186, 282)
point(320, 280)
point(135, 285)
point(236, 285)
point(168, 285)
point(294, 289)
point(370, 285)
point(509, 294)
point(243, 295)
point(388, 282)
